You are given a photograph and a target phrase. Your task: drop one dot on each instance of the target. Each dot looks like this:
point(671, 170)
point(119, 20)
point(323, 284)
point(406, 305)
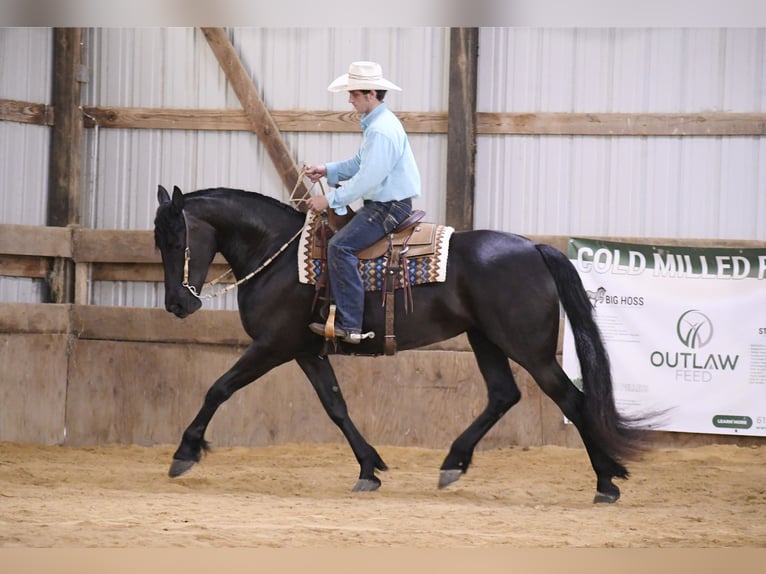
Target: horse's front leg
point(322, 377)
point(250, 366)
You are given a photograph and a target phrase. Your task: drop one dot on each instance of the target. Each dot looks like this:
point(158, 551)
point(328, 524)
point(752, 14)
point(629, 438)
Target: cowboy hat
point(362, 76)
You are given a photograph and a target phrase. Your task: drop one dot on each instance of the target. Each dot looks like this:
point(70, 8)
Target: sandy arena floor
point(295, 496)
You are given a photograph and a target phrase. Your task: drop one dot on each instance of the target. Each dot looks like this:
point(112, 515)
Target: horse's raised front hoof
point(179, 467)
point(606, 497)
point(366, 485)
point(447, 477)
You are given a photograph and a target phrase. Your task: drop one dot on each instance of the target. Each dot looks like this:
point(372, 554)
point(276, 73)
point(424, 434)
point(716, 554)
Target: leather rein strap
point(187, 250)
point(187, 259)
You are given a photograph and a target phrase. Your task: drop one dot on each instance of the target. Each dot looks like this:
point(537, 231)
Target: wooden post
point(461, 130)
point(65, 153)
point(260, 119)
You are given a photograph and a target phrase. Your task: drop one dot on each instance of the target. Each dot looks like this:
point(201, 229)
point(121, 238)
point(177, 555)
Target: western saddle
point(410, 234)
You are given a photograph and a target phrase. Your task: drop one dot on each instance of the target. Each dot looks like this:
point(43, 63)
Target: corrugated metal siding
point(639, 186)
point(700, 187)
point(25, 64)
point(291, 67)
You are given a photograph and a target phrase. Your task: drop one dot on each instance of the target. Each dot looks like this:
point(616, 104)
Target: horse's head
point(187, 246)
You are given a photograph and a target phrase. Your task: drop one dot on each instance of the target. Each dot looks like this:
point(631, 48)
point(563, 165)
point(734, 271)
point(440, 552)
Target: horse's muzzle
point(184, 307)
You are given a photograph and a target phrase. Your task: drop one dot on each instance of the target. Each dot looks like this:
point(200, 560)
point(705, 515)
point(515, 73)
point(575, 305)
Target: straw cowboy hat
point(362, 76)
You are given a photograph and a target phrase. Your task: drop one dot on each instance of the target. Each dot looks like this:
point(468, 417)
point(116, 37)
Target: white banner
point(685, 329)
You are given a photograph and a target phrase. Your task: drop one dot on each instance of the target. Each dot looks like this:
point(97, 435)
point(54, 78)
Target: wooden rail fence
point(82, 374)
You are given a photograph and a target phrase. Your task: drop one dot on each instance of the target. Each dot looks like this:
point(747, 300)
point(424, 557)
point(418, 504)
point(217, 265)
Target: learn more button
point(732, 422)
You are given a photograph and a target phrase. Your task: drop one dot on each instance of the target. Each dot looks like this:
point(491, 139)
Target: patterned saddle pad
point(426, 257)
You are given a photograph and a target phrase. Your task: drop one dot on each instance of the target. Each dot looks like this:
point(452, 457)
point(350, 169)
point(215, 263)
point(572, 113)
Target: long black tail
point(617, 435)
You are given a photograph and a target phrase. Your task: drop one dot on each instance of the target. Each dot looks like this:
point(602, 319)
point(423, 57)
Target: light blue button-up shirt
point(383, 169)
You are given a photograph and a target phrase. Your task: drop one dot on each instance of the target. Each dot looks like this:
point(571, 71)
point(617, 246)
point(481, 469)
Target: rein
point(187, 258)
point(187, 254)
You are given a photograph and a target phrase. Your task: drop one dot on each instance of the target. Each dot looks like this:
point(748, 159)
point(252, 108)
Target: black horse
point(501, 289)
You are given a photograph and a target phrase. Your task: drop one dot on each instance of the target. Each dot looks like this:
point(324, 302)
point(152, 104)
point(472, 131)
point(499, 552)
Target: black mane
point(247, 195)
point(166, 226)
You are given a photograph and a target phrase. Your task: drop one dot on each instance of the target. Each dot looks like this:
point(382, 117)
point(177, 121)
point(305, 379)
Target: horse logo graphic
point(596, 296)
point(694, 329)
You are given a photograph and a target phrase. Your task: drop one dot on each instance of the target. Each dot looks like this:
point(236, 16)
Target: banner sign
point(685, 329)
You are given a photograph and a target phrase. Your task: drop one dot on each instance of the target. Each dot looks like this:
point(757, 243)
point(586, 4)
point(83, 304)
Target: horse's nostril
point(182, 306)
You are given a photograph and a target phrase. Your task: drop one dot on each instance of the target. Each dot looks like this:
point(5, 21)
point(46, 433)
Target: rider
point(383, 174)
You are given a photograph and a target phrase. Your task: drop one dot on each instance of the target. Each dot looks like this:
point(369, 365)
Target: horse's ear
point(178, 199)
point(162, 195)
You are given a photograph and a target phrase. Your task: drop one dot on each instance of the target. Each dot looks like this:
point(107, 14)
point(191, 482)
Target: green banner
point(685, 328)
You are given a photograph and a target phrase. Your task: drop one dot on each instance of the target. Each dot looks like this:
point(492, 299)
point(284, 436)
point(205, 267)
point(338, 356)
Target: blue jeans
point(372, 222)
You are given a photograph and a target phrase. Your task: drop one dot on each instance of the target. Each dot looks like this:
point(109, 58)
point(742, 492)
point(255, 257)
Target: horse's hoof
point(606, 497)
point(447, 477)
point(366, 485)
point(179, 467)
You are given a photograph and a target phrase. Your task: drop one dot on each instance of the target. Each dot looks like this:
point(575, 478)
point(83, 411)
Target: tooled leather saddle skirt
point(426, 262)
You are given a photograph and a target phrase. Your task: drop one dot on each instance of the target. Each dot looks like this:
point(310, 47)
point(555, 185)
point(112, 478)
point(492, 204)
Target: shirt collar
point(368, 118)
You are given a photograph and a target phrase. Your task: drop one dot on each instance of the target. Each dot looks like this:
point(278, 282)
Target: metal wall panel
point(707, 187)
point(25, 65)
point(291, 67)
point(694, 187)
point(160, 67)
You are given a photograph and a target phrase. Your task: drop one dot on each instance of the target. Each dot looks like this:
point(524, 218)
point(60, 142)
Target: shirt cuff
point(341, 209)
point(332, 174)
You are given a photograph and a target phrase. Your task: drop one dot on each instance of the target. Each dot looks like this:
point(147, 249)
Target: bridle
point(187, 258)
point(187, 253)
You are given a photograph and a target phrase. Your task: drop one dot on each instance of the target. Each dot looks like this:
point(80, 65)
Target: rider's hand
point(317, 203)
point(315, 172)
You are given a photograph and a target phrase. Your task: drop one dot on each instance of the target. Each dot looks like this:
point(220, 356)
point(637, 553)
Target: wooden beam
point(623, 124)
point(157, 325)
point(23, 266)
point(124, 323)
point(167, 119)
point(34, 240)
point(65, 157)
point(37, 318)
point(116, 246)
point(516, 123)
point(66, 153)
point(113, 245)
point(259, 117)
point(149, 272)
point(26, 112)
point(237, 120)
point(461, 133)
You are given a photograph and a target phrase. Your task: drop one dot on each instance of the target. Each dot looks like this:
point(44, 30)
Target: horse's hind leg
point(322, 377)
point(502, 394)
point(559, 387)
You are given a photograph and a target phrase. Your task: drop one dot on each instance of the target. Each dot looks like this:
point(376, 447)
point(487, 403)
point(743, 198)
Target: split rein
point(187, 252)
point(193, 290)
